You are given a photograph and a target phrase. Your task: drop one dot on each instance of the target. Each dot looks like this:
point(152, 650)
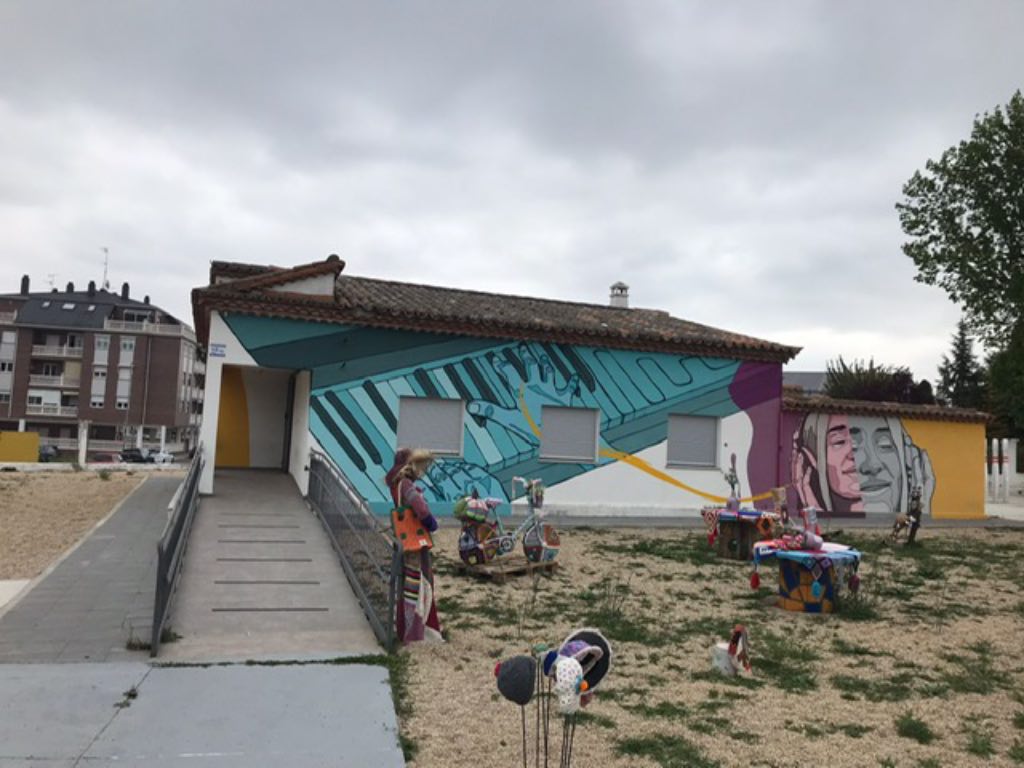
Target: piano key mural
point(360, 374)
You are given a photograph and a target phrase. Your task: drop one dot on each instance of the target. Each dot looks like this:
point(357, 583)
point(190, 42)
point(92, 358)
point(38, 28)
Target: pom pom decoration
point(816, 589)
point(755, 581)
point(854, 583)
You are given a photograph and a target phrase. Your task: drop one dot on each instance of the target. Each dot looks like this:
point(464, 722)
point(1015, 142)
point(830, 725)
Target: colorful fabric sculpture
point(416, 619)
point(732, 657)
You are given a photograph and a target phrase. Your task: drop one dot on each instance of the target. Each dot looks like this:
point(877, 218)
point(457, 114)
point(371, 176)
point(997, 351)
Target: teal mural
point(360, 374)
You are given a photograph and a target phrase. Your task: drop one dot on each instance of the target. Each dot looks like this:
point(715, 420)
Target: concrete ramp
point(260, 579)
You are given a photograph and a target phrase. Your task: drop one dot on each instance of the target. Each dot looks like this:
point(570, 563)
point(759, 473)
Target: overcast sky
point(735, 163)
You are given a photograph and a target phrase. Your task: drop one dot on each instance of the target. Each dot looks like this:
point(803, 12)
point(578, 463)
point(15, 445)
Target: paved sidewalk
point(131, 714)
point(261, 579)
point(84, 609)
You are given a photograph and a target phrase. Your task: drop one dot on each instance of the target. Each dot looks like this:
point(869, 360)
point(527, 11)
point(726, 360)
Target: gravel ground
point(934, 637)
point(44, 513)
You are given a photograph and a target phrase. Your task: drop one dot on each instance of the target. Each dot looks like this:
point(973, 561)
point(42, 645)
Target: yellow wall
point(19, 446)
point(233, 422)
point(957, 454)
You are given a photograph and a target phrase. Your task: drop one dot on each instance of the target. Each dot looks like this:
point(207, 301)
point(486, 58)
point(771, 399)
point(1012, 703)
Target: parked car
point(136, 456)
point(105, 458)
point(161, 457)
point(47, 453)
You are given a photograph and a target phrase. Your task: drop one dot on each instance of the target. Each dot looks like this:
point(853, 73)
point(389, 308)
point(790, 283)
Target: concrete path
point(301, 716)
point(102, 592)
point(261, 579)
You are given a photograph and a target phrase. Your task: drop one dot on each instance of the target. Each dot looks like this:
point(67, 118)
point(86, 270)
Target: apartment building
point(98, 371)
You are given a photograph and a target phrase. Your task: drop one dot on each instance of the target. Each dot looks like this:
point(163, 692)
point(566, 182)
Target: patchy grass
point(936, 620)
point(980, 743)
point(666, 751)
point(1016, 752)
point(909, 727)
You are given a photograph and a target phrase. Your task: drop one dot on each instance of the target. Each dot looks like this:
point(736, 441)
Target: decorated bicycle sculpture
point(483, 536)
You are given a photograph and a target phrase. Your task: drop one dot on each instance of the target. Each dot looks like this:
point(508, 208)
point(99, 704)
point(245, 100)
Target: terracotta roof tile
point(408, 306)
point(793, 400)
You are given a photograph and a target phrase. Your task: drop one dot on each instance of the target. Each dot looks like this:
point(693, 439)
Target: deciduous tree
point(964, 216)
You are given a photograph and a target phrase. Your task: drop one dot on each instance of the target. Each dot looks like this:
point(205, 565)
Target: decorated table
point(812, 572)
point(734, 532)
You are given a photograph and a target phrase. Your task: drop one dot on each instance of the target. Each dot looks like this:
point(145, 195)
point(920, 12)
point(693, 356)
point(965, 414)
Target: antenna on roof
point(105, 285)
point(52, 279)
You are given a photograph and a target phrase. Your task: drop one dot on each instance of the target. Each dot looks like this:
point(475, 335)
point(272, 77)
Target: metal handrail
point(171, 547)
point(369, 553)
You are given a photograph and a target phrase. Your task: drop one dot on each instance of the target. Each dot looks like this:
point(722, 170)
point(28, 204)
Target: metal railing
point(43, 350)
point(368, 551)
point(144, 326)
point(171, 547)
point(42, 380)
point(48, 409)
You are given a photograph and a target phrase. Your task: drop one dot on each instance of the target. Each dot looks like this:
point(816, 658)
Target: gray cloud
point(737, 163)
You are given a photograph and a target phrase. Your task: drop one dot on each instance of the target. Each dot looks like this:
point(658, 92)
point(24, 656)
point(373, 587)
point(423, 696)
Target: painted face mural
point(858, 464)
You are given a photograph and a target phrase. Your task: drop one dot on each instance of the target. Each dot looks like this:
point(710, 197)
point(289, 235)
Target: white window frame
point(96, 402)
point(121, 404)
point(407, 401)
point(5, 397)
point(6, 365)
point(679, 418)
point(547, 417)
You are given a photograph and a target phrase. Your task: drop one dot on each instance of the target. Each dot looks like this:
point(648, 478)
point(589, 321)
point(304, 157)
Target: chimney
point(92, 288)
point(145, 299)
point(619, 296)
point(124, 291)
point(71, 287)
point(24, 285)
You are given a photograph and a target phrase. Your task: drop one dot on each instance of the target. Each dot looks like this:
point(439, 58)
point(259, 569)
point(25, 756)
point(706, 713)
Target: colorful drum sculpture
point(810, 581)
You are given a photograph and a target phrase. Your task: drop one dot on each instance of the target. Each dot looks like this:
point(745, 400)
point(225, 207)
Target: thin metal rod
point(537, 685)
point(523, 711)
point(572, 738)
point(547, 721)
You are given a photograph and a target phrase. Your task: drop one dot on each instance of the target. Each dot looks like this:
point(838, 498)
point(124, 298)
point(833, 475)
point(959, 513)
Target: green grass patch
point(909, 727)
point(666, 751)
point(980, 743)
point(898, 687)
point(666, 709)
point(688, 548)
point(601, 721)
point(1016, 752)
point(786, 662)
point(972, 672)
point(845, 648)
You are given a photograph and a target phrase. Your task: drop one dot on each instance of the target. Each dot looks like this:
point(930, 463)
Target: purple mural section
point(757, 390)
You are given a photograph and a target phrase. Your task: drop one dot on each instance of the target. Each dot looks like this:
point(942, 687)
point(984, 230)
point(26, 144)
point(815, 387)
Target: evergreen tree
point(871, 381)
point(961, 379)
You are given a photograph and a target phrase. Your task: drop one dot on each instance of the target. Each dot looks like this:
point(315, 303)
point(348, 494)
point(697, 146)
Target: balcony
point(8, 318)
point(159, 329)
point(63, 382)
point(42, 350)
point(46, 409)
point(60, 443)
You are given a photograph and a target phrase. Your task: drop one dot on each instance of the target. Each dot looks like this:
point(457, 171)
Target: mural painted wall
point(359, 376)
point(853, 466)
